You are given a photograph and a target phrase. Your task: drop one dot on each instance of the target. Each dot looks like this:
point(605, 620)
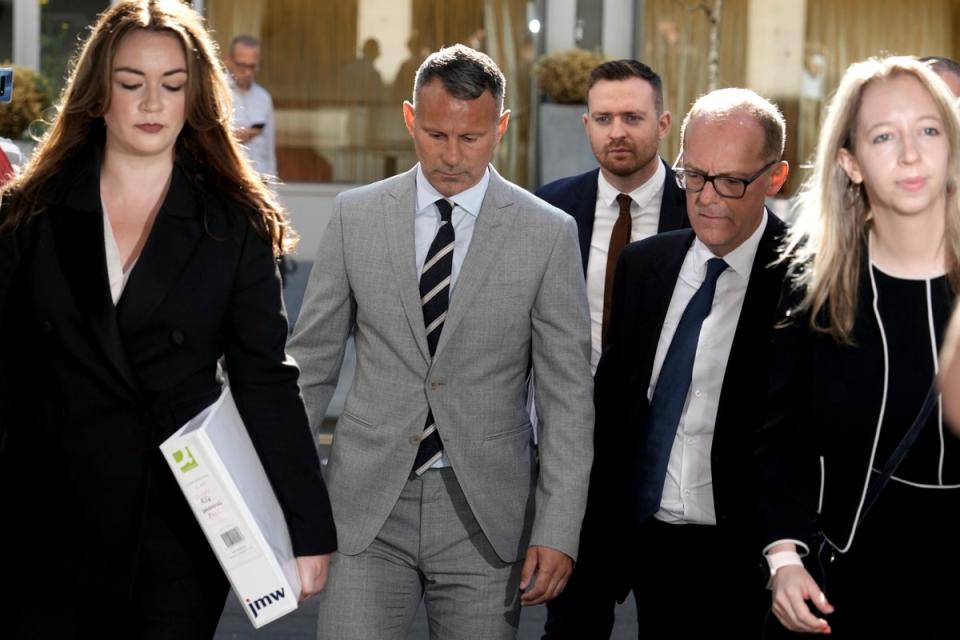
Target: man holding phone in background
point(252, 105)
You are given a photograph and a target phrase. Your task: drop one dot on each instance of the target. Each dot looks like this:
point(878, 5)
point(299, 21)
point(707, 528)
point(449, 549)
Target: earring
point(853, 194)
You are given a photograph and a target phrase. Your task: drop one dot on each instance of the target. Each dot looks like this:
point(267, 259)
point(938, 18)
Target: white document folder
point(223, 480)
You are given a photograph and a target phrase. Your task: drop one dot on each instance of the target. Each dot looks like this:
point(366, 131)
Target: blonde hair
point(825, 245)
point(206, 136)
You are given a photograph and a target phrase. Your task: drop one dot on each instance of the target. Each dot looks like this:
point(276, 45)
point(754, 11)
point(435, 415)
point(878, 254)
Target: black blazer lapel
point(583, 210)
point(173, 239)
point(741, 393)
point(652, 309)
point(759, 301)
point(78, 236)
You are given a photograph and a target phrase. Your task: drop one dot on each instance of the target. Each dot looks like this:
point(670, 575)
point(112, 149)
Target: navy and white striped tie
point(435, 299)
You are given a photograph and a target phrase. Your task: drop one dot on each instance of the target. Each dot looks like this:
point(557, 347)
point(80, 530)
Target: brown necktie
point(618, 240)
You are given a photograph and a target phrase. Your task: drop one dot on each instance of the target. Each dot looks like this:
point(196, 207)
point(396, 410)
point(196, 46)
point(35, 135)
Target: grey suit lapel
point(488, 237)
point(399, 207)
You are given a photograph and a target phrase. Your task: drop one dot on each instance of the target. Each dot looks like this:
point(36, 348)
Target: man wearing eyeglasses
point(253, 121)
point(630, 196)
point(680, 388)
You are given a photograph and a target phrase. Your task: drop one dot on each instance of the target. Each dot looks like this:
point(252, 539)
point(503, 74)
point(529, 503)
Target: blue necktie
point(670, 394)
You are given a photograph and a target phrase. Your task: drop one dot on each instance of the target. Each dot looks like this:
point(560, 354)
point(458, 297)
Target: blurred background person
point(253, 120)
point(947, 69)
point(137, 248)
point(874, 263)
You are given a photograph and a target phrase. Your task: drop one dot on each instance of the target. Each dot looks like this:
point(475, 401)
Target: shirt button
point(690, 440)
point(686, 492)
point(698, 393)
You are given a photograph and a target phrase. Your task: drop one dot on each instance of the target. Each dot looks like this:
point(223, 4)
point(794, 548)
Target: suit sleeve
point(785, 454)
point(563, 391)
point(264, 383)
point(325, 323)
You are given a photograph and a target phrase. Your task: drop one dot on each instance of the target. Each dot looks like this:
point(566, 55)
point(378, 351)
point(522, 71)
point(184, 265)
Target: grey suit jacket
point(520, 299)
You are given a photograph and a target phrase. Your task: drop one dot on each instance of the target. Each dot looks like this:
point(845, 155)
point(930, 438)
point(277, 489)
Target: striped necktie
point(435, 299)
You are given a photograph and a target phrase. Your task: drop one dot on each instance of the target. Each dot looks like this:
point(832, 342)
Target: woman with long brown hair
point(875, 262)
point(136, 249)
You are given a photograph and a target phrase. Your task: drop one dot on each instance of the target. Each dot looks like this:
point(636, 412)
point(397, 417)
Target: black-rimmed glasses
point(725, 186)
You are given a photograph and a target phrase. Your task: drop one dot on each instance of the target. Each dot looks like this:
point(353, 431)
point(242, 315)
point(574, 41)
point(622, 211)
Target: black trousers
point(686, 580)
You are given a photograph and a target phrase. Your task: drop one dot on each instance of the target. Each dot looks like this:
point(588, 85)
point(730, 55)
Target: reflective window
point(63, 27)
point(339, 72)
point(6, 30)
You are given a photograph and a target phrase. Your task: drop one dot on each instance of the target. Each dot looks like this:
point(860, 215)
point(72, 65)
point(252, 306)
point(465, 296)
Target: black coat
point(817, 446)
point(89, 391)
point(646, 276)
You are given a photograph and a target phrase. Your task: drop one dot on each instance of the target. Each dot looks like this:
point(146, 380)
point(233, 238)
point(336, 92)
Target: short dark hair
point(465, 73)
point(617, 70)
point(244, 39)
point(939, 63)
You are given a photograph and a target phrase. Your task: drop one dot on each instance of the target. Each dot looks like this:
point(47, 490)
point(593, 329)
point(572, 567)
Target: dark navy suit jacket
point(577, 195)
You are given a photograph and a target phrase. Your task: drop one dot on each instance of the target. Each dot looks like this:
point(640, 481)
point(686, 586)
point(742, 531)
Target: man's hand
point(548, 570)
point(792, 586)
point(313, 574)
point(245, 134)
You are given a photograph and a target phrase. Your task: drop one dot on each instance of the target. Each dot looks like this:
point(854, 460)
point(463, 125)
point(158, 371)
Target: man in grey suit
point(454, 282)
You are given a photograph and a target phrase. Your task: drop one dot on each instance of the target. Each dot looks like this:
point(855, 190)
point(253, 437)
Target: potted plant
point(562, 80)
point(30, 99)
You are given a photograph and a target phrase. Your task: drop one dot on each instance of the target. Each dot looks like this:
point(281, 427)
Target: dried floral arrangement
point(30, 99)
point(562, 75)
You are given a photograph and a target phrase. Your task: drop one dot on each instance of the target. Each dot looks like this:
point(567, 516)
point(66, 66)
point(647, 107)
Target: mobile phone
point(258, 125)
point(6, 84)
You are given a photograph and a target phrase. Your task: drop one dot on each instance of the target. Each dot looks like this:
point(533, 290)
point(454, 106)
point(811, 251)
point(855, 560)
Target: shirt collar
point(469, 200)
point(740, 260)
point(642, 195)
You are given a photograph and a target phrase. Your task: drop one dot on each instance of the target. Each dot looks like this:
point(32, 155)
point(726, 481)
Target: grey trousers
point(430, 548)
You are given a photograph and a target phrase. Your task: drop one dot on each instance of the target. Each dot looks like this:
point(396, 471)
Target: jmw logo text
point(264, 601)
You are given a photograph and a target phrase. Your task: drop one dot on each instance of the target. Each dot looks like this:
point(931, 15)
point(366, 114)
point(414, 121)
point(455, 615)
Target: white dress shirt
point(255, 106)
point(688, 489)
point(115, 273)
point(645, 220)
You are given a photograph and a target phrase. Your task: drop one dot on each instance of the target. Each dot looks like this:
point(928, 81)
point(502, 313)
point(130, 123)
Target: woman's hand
point(313, 574)
point(792, 586)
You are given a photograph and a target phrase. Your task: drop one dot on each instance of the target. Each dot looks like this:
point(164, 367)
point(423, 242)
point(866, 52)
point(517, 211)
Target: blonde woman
point(137, 249)
point(874, 258)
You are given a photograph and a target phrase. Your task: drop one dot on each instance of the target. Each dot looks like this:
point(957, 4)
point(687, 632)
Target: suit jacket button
point(415, 440)
point(176, 337)
point(434, 385)
point(46, 326)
